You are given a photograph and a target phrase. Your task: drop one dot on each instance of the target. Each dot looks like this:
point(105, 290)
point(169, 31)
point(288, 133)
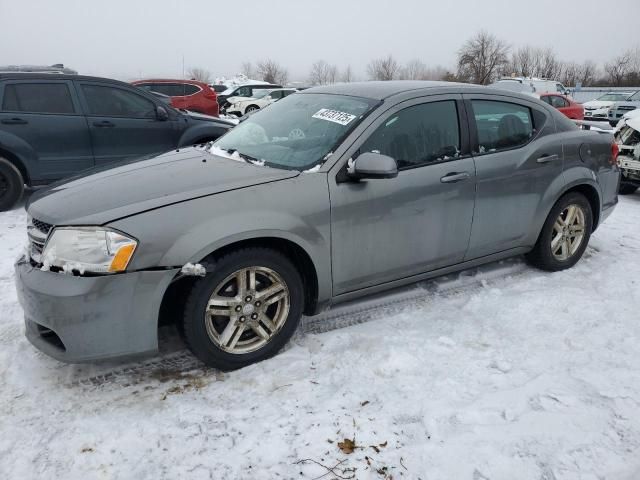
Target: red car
point(186, 94)
point(568, 107)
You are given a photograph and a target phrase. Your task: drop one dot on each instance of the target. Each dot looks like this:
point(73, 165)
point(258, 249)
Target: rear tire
point(565, 234)
point(11, 184)
point(627, 189)
point(230, 323)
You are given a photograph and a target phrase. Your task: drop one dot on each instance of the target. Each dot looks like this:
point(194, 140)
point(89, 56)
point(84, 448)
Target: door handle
point(548, 158)
point(104, 123)
point(14, 121)
point(454, 177)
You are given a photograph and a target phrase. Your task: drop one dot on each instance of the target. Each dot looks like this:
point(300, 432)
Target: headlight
point(88, 249)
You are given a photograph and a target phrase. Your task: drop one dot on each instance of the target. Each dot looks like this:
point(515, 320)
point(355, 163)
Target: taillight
point(615, 150)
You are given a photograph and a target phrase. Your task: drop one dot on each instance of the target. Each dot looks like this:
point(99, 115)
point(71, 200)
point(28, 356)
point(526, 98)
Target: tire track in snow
point(181, 362)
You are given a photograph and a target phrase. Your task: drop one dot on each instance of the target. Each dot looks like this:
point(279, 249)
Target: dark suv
point(53, 126)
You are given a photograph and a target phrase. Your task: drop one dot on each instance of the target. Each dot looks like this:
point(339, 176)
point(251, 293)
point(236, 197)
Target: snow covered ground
point(502, 372)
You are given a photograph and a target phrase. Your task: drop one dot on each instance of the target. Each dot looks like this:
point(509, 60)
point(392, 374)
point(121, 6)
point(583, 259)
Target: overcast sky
point(129, 39)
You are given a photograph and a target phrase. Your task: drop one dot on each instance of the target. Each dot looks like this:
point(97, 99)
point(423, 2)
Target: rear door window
point(418, 135)
point(501, 125)
point(116, 102)
point(181, 89)
point(54, 98)
point(558, 102)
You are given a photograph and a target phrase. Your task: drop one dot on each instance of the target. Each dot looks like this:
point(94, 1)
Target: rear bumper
point(82, 319)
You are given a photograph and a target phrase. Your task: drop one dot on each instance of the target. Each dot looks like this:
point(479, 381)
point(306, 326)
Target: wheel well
point(252, 105)
point(594, 200)
point(294, 252)
point(174, 298)
point(16, 161)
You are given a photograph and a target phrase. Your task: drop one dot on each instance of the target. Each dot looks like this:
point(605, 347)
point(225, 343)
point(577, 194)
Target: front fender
point(295, 209)
point(23, 151)
point(197, 133)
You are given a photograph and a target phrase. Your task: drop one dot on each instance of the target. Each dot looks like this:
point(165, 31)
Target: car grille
point(42, 226)
point(37, 231)
point(626, 107)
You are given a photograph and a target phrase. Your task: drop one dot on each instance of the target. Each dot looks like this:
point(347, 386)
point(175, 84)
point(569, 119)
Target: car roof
point(54, 76)
point(171, 80)
point(379, 90)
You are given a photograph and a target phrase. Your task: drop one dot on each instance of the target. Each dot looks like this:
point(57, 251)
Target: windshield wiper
point(244, 156)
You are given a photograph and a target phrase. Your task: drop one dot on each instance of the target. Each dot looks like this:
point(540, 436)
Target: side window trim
point(474, 142)
point(465, 151)
point(77, 108)
point(85, 105)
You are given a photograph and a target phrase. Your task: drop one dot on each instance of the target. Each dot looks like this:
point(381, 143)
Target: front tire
point(627, 189)
point(245, 310)
point(11, 184)
point(565, 234)
point(251, 108)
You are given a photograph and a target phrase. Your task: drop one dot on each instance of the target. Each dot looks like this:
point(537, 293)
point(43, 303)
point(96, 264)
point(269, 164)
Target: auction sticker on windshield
point(334, 116)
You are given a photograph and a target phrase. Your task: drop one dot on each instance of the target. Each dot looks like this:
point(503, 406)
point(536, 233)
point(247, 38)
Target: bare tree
point(248, 70)
point(435, 73)
point(549, 65)
point(199, 74)
point(482, 58)
point(322, 73)
point(587, 73)
point(383, 68)
point(347, 75)
point(272, 72)
point(618, 69)
point(414, 70)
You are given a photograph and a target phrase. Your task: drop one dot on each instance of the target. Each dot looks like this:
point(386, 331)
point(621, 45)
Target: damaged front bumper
point(87, 318)
point(628, 139)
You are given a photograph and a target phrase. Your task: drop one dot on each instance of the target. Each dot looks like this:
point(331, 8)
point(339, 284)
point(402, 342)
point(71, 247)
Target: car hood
point(598, 104)
point(233, 100)
point(101, 196)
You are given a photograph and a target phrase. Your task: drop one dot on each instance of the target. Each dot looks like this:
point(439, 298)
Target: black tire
point(542, 256)
point(11, 184)
point(251, 108)
point(627, 189)
point(194, 325)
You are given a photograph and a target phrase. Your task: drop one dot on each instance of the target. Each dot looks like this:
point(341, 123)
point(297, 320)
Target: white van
point(531, 85)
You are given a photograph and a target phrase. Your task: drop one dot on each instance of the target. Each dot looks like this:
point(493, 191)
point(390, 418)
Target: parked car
point(53, 126)
point(531, 85)
point(599, 109)
point(628, 138)
point(326, 196)
point(569, 108)
point(185, 94)
point(246, 91)
point(619, 109)
point(240, 106)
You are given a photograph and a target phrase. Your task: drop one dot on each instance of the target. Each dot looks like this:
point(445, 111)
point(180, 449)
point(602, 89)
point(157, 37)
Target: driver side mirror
point(372, 165)
point(162, 114)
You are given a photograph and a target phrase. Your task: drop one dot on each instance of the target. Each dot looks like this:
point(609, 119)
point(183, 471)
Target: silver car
point(328, 195)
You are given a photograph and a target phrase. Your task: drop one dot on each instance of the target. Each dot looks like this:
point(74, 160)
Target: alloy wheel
point(247, 309)
point(568, 232)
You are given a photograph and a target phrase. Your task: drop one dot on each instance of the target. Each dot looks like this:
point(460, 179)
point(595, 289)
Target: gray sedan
point(328, 195)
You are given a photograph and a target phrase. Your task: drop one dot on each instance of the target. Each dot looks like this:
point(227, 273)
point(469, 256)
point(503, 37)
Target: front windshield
point(297, 132)
point(635, 97)
point(614, 97)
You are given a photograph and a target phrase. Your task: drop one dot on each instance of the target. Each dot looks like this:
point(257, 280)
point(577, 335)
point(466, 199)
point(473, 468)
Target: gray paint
point(361, 237)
